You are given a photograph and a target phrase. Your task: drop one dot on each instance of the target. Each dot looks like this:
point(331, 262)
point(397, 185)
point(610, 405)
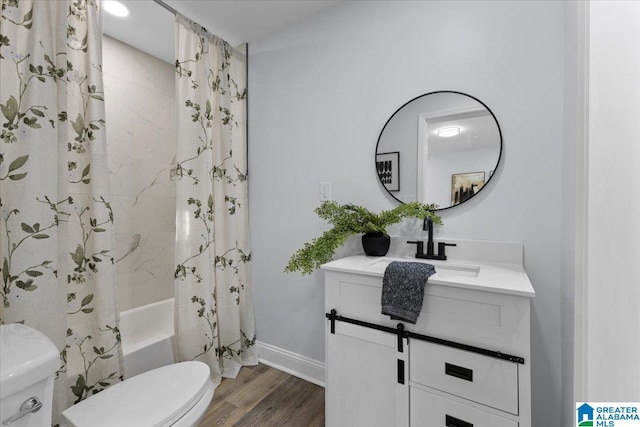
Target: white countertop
point(478, 275)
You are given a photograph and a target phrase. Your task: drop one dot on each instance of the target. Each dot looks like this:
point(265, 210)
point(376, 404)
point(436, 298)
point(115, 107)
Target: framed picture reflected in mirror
point(388, 168)
point(465, 185)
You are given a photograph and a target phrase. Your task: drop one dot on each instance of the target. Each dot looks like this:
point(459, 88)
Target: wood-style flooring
point(265, 397)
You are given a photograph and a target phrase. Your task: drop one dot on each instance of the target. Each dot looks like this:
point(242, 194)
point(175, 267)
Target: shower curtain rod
point(166, 6)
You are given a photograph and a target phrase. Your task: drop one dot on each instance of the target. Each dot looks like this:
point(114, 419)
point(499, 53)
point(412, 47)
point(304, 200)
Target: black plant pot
point(376, 244)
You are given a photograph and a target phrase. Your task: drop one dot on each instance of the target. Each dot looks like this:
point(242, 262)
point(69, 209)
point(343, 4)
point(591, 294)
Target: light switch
point(325, 191)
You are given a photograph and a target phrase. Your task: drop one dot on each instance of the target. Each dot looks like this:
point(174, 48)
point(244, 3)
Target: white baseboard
point(292, 363)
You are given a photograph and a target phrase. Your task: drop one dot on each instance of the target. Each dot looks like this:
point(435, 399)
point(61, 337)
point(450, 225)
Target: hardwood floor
point(265, 397)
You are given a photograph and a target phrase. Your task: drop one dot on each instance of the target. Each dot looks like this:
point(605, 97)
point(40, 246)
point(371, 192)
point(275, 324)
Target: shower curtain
point(56, 224)
point(214, 305)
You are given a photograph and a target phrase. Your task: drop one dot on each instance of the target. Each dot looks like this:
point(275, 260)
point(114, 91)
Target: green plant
point(348, 220)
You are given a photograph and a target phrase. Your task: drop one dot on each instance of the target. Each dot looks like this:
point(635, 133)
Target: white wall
point(320, 93)
point(612, 342)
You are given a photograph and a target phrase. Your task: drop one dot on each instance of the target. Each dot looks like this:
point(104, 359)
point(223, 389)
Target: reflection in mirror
point(439, 148)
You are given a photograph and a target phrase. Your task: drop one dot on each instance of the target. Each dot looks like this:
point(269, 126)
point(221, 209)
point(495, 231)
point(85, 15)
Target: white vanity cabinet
point(466, 363)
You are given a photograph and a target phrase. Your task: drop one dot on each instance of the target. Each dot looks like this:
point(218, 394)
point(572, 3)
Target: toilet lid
point(156, 398)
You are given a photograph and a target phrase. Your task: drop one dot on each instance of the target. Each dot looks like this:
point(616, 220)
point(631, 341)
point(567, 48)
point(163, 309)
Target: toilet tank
point(28, 362)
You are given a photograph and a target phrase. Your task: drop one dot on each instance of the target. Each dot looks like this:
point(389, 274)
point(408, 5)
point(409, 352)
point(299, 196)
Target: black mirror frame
point(433, 93)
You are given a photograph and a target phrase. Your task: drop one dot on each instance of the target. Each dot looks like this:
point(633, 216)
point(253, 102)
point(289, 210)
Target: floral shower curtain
point(56, 225)
point(214, 305)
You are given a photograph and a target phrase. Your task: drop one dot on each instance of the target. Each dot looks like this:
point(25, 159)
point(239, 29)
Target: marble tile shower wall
point(141, 146)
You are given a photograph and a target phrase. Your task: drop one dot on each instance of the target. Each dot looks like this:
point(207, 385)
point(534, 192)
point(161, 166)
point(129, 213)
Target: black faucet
point(428, 225)
point(442, 246)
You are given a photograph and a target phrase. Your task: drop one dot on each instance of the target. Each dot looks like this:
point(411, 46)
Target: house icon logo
point(585, 415)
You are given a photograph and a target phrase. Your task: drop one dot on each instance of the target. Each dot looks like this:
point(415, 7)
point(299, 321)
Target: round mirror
point(441, 147)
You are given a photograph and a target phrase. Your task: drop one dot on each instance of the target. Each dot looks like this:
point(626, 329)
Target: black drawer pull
point(458, 372)
point(455, 422)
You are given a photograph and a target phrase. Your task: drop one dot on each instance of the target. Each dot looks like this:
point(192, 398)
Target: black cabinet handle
point(456, 422)
point(332, 317)
point(400, 371)
point(458, 372)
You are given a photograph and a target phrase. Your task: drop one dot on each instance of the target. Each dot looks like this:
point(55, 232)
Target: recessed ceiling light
point(115, 8)
point(448, 131)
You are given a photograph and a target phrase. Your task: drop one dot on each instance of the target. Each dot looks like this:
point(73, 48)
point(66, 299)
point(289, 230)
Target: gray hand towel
point(403, 289)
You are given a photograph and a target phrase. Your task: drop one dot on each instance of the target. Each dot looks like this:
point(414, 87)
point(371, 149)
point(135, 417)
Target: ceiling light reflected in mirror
point(448, 132)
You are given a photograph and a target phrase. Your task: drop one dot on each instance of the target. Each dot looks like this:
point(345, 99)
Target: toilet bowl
point(175, 395)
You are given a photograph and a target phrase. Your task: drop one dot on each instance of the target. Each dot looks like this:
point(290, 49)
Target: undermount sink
point(443, 269)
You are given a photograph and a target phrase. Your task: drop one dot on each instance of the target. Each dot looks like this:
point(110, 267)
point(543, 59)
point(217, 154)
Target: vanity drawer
point(430, 410)
point(479, 378)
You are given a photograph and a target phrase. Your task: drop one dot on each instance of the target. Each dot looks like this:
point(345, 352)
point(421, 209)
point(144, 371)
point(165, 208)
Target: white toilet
point(175, 395)
point(28, 362)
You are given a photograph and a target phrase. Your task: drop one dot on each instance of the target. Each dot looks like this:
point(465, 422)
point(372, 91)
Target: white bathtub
point(147, 337)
